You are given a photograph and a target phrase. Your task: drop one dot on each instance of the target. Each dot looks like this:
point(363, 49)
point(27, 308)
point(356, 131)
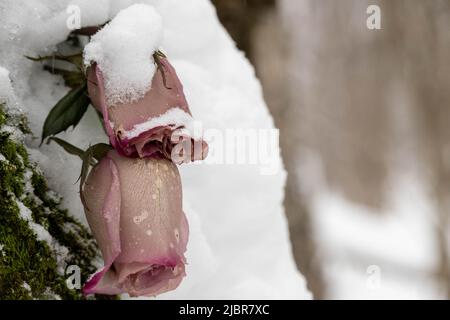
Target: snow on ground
point(377, 254)
point(239, 246)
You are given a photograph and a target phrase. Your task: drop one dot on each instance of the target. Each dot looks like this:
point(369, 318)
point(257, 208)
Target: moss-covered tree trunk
point(39, 240)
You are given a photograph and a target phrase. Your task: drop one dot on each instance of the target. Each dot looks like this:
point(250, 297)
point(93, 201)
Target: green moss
point(29, 267)
point(9, 174)
point(3, 116)
point(22, 123)
point(65, 229)
point(26, 260)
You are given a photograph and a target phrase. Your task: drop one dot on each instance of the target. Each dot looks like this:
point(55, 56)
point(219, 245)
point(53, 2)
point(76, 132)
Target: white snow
point(5, 86)
point(26, 286)
point(9, 101)
point(239, 245)
point(7, 96)
point(123, 50)
point(386, 253)
point(43, 235)
point(175, 117)
point(395, 248)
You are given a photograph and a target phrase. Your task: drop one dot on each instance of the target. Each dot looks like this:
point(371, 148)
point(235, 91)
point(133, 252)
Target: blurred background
point(364, 119)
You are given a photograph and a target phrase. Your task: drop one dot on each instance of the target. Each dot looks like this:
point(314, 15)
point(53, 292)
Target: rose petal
point(144, 128)
point(102, 193)
point(96, 91)
point(139, 225)
point(151, 211)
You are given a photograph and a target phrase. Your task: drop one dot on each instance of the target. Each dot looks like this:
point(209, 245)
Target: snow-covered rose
point(134, 209)
point(153, 124)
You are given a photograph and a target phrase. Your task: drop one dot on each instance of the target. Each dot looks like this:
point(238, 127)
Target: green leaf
point(89, 30)
point(157, 56)
point(68, 147)
point(76, 59)
point(99, 150)
point(72, 79)
point(87, 158)
point(67, 112)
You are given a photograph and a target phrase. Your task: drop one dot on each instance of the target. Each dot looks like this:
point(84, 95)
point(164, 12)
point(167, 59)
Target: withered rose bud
point(134, 209)
point(144, 128)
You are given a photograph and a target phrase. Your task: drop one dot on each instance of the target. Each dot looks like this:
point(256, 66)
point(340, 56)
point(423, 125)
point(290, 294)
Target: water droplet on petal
point(137, 219)
point(142, 217)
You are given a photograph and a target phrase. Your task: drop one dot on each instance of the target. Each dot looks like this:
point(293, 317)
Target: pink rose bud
point(134, 209)
point(144, 128)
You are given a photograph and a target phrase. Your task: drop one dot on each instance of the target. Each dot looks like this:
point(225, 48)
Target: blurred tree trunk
point(364, 101)
point(337, 75)
point(347, 84)
point(425, 48)
point(256, 27)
